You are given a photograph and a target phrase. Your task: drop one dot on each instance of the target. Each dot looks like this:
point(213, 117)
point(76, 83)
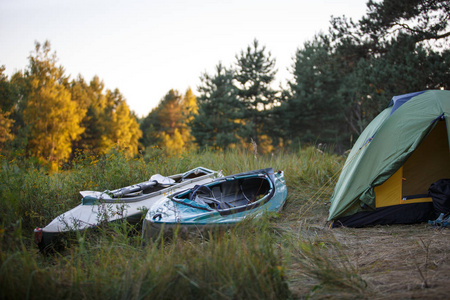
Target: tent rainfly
point(388, 172)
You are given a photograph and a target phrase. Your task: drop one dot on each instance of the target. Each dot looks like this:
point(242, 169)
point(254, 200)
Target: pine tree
point(421, 20)
point(220, 113)
point(6, 102)
point(345, 78)
point(254, 75)
point(18, 93)
point(150, 129)
point(313, 113)
point(398, 47)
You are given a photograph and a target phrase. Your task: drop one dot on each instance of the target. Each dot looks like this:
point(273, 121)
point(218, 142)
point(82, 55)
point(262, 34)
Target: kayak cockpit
point(228, 193)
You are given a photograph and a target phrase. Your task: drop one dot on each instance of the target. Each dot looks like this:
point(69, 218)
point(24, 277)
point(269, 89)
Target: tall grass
point(324, 268)
point(259, 259)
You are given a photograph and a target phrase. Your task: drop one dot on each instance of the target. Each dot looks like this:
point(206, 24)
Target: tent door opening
point(428, 163)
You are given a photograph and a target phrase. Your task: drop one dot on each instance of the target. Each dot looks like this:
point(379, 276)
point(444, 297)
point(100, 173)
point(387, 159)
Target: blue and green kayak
point(222, 202)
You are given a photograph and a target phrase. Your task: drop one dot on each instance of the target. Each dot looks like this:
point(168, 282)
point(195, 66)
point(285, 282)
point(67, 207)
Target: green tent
point(387, 174)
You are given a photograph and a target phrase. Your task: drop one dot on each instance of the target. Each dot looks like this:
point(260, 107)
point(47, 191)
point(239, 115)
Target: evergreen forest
point(342, 79)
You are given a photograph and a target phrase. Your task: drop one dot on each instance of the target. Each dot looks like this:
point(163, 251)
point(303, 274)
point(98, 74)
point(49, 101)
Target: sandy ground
point(395, 261)
point(400, 261)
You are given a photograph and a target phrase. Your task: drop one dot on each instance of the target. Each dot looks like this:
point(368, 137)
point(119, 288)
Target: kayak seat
point(213, 202)
point(222, 196)
point(206, 195)
point(231, 195)
point(254, 188)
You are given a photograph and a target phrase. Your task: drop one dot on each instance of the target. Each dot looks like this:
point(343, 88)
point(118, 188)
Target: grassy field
point(291, 255)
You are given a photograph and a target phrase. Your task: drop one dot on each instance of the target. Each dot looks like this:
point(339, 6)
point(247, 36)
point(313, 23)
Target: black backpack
point(439, 191)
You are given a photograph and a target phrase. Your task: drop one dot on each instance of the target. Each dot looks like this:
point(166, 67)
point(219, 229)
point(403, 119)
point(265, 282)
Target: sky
point(146, 48)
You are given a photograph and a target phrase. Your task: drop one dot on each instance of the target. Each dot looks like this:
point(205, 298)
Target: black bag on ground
point(439, 191)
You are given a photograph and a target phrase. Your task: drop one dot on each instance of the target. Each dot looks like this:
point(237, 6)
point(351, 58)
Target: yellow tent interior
point(428, 163)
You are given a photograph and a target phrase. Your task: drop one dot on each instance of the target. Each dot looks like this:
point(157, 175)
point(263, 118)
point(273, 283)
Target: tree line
point(341, 80)
point(46, 116)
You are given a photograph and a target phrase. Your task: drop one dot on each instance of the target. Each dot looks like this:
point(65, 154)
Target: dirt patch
point(401, 261)
point(395, 261)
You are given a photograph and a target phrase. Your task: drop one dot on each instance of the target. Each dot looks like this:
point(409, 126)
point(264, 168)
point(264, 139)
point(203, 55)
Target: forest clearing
point(292, 254)
point(64, 133)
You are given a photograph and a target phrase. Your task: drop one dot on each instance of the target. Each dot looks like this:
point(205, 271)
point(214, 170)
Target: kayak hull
point(178, 211)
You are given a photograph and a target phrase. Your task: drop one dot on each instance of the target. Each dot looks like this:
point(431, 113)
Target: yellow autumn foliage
point(125, 131)
point(173, 143)
point(53, 117)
